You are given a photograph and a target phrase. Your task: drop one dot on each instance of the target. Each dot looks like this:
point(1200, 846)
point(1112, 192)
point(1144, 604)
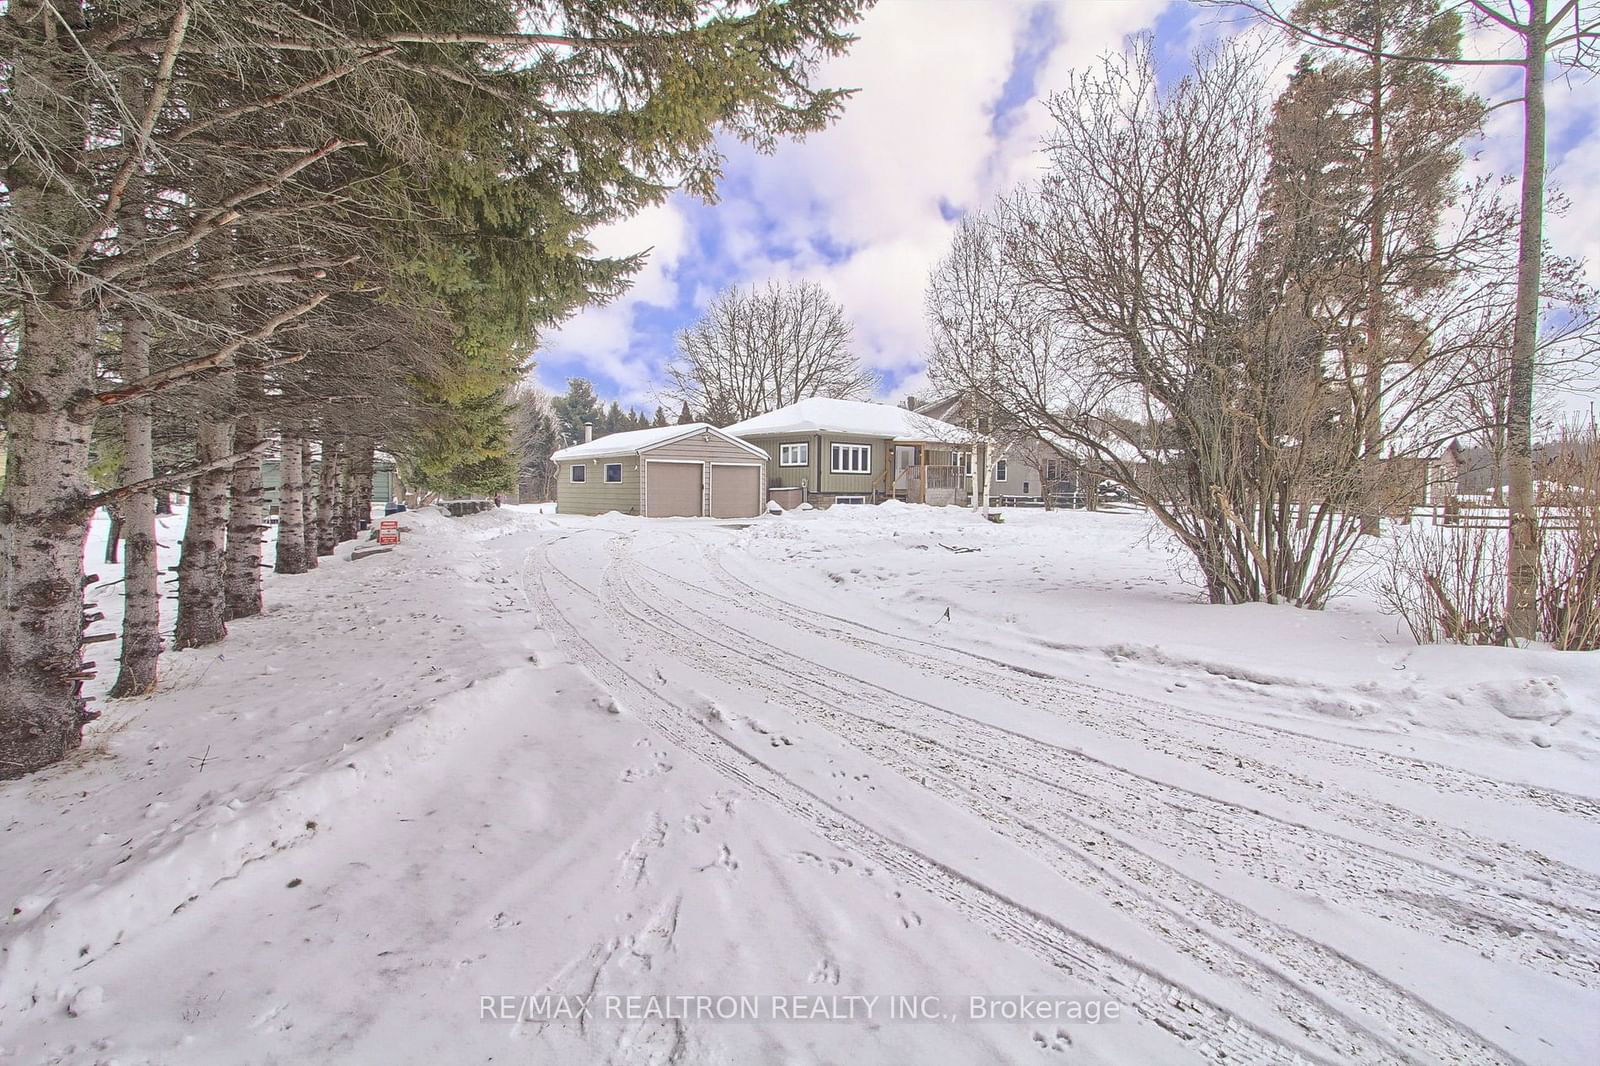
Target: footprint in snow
point(1061, 1040)
point(723, 861)
point(826, 972)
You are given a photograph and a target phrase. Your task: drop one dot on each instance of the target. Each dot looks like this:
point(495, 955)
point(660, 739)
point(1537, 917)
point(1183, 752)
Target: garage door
point(735, 491)
point(672, 489)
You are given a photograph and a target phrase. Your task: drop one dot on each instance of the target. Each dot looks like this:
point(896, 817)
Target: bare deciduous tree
point(1172, 316)
point(757, 350)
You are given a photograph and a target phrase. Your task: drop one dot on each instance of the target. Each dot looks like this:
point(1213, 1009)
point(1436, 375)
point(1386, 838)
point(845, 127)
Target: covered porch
point(931, 472)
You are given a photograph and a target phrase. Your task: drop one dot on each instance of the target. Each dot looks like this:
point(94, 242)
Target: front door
point(905, 457)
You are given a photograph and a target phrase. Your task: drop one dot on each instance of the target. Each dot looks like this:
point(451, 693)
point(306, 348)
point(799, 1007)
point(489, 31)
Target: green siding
point(385, 482)
point(596, 496)
point(818, 476)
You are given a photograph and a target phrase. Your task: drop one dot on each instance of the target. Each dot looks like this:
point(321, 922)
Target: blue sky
point(949, 113)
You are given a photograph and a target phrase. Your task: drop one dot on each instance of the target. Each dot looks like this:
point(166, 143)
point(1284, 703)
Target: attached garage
point(735, 490)
point(684, 471)
point(674, 488)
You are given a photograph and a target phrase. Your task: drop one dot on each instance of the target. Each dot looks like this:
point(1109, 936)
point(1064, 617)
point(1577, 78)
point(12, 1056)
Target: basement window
point(852, 459)
point(580, 474)
point(613, 472)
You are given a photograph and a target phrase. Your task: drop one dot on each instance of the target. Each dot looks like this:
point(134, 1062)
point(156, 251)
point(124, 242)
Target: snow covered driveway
point(1256, 885)
point(823, 763)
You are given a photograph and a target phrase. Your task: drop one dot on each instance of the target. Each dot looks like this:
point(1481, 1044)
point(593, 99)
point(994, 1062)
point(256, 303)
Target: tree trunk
point(1522, 594)
point(361, 475)
point(201, 602)
point(246, 514)
point(42, 521)
point(291, 509)
point(349, 485)
point(309, 500)
point(113, 533)
point(163, 502)
point(328, 499)
point(141, 573)
point(42, 534)
point(1372, 374)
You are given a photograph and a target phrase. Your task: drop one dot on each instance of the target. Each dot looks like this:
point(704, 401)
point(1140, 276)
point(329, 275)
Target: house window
point(1000, 470)
point(1050, 471)
point(850, 499)
point(794, 454)
point(852, 459)
point(613, 471)
point(580, 473)
point(1025, 488)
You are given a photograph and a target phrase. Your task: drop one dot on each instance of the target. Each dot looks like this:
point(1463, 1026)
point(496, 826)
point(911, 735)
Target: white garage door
point(672, 490)
point(735, 491)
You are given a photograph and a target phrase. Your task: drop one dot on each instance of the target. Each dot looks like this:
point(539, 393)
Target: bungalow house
point(826, 451)
point(672, 471)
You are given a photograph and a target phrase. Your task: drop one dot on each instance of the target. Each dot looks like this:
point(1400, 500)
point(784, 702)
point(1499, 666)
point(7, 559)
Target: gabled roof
point(642, 440)
point(855, 418)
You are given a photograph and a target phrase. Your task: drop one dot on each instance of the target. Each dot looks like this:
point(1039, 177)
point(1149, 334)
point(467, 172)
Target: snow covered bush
point(1569, 570)
point(1447, 584)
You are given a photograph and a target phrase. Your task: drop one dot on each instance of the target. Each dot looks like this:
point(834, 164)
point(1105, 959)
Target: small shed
point(684, 471)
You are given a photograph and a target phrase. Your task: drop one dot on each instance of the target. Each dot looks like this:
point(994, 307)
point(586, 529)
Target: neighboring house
point(826, 451)
point(1422, 481)
point(674, 471)
point(1025, 469)
point(386, 484)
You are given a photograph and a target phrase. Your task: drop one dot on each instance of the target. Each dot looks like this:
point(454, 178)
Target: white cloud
point(918, 136)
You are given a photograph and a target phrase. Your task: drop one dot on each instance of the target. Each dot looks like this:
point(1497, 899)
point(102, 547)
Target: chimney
point(588, 431)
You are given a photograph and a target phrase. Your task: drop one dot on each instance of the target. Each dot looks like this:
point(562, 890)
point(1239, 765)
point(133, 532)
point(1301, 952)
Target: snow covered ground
point(823, 763)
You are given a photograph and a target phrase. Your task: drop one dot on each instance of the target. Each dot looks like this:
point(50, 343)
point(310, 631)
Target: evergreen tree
point(660, 419)
point(685, 416)
point(578, 406)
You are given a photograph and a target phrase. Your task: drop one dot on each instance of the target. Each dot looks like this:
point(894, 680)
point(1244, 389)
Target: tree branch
point(183, 133)
point(222, 214)
point(268, 274)
point(163, 379)
point(161, 481)
point(509, 40)
point(141, 139)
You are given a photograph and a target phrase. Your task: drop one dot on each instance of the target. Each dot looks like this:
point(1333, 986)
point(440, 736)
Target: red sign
point(389, 523)
point(388, 536)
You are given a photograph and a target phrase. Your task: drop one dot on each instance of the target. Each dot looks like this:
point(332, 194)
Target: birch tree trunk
point(309, 500)
point(42, 521)
point(328, 499)
point(291, 509)
point(1522, 594)
point(246, 514)
point(202, 605)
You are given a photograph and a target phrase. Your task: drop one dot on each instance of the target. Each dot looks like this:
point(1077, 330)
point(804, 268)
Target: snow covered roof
point(854, 417)
point(638, 440)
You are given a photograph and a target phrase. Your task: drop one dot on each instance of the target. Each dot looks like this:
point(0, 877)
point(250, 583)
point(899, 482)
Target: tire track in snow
point(1546, 935)
point(1504, 864)
point(1162, 897)
point(1206, 1029)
